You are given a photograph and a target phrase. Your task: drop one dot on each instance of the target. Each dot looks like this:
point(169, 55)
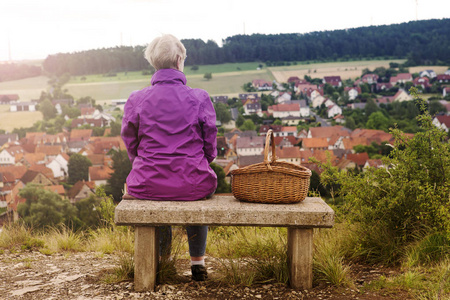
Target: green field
point(227, 79)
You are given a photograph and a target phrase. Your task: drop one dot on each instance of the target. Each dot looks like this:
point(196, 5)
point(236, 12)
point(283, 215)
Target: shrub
point(408, 196)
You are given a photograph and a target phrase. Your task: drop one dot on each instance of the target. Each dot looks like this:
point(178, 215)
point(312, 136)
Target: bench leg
point(146, 256)
point(300, 256)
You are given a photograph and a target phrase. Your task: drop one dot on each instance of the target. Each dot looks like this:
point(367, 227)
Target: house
point(81, 190)
point(313, 144)
point(262, 85)
point(16, 171)
point(59, 103)
point(333, 110)
point(442, 122)
point(29, 159)
point(289, 154)
point(372, 135)
point(423, 82)
point(286, 141)
point(8, 155)
point(283, 97)
point(328, 132)
point(333, 80)
point(35, 177)
point(50, 151)
point(383, 86)
point(251, 96)
point(42, 138)
point(87, 112)
point(357, 105)
point(319, 100)
point(402, 95)
point(275, 128)
point(8, 138)
point(99, 174)
point(106, 118)
point(57, 189)
point(428, 73)
point(373, 163)
point(251, 108)
point(359, 159)
point(47, 172)
point(352, 92)
point(287, 131)
point(249, 146)
point(22, 106)
point(445, 92)
point(370, 78)
point(8, 99)
point(339, 119)
point(83, 135)
point(59, 165)
point(400, 78)
point(443, 78)
point(221, 99)
point(88, 121)
point(247, 160)
point(349, 143)
point(284, 110)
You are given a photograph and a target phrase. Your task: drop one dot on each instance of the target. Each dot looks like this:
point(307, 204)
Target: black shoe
point(199, 273)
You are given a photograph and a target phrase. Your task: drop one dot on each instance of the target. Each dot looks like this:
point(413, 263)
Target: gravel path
point(32, 275)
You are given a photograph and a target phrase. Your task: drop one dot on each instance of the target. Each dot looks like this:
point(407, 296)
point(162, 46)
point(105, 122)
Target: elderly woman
point(169, 130)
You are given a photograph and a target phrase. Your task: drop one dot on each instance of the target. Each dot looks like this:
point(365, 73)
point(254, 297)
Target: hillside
point(421, 42)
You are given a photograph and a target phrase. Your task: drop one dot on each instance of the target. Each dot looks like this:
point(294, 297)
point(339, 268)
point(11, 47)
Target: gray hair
point(163, 52)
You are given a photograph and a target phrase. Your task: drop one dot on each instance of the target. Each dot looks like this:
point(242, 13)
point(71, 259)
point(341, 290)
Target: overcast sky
point(33, 29)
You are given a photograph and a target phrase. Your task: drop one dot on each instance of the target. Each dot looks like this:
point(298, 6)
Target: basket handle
point(269, 138)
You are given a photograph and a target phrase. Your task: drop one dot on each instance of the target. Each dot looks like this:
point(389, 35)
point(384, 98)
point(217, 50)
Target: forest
point(420, 42)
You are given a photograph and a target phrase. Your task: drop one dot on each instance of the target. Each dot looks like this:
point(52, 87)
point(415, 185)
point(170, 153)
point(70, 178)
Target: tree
point(121, 167)
point(222, 185)
point(248, 125)
point(47, 109)
point(44, 208)
point(115, 129)
point(350, 123)
point(240, 121)
point(222, 112)
point(78, 168)
point(378, 121)
point(371, 107)
point(87, 212)
point(208, 76)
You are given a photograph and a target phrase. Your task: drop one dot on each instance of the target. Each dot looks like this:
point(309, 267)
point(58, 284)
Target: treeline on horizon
point(420, 42)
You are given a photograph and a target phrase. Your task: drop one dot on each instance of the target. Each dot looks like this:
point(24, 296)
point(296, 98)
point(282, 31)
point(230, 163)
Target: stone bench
point(224, 210)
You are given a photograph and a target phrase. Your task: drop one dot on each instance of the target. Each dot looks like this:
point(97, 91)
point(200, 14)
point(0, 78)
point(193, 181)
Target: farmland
point(227, 79)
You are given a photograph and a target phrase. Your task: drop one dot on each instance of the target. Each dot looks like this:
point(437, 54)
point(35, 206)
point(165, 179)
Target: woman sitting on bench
point(169, 130)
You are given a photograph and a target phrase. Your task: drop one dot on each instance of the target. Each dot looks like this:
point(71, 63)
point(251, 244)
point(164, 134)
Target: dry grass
point(347, 70)
point(11, 120)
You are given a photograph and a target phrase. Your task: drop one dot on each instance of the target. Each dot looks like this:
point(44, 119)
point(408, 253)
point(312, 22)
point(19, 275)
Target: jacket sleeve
point(208, 121)
point(129, 132)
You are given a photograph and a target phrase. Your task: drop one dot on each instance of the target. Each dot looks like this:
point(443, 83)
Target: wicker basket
point(271, 181)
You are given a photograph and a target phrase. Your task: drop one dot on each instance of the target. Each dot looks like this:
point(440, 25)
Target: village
point(43, 158)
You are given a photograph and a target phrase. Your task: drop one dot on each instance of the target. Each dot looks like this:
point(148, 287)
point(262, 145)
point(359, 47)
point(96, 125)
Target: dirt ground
point(32, 275)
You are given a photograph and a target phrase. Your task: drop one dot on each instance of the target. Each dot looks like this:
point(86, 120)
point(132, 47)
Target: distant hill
point(421, 42)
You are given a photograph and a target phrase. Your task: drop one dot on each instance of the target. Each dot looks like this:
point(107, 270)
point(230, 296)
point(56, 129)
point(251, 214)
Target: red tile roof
point(99, 173)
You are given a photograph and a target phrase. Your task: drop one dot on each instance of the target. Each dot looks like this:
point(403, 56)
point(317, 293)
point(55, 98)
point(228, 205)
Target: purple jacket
point(170, 131)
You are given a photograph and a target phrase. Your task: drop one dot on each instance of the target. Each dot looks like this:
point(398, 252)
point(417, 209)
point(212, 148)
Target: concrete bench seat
point(224, 210)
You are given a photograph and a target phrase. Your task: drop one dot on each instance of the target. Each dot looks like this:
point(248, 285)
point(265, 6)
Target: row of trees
point(422, 42)
point(18, 71)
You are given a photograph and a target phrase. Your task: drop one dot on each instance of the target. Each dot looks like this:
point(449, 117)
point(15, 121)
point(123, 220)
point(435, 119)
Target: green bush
point(409, 196)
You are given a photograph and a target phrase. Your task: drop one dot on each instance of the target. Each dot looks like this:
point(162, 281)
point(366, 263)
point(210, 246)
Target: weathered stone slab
point(225, 210)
